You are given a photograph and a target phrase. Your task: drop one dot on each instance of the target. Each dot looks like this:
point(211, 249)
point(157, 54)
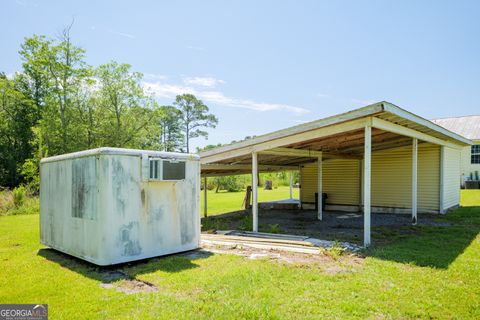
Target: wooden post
point(367, 170)
point(300, 186)
point(255, 191)
point(414, 179)
point(319, 189)
point(291, 185)
point(205, 197)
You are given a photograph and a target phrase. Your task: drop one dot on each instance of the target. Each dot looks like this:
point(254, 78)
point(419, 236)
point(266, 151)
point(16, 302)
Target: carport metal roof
point(339, 136)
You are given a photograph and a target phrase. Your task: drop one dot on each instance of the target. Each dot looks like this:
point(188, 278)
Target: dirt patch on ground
point(329, 262)
point(122, 282)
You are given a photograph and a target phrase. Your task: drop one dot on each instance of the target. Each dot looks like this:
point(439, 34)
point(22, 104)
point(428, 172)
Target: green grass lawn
point(433, 273)
point(469, 198)
point(223, 201)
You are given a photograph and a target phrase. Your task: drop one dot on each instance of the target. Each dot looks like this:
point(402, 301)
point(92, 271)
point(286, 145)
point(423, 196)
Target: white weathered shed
point(111, 205)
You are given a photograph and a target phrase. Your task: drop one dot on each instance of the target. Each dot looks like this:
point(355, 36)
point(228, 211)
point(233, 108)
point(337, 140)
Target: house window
point(166, 170)
point(476, 154)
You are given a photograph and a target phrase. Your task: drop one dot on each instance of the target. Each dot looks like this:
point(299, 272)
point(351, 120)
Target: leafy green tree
point(123, 106)
point(208, 147)
point(171, 133)
point(34, 81)
point(53, 72)
point(195, 116)
point(59, 104)
point(229, 183)
point(17, 114)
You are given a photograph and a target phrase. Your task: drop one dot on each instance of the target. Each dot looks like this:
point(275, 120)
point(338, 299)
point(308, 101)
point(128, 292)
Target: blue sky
point(266, 65)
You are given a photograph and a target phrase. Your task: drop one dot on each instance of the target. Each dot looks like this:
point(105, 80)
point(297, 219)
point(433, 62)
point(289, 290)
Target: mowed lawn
point(223, 201)
point(432, 272)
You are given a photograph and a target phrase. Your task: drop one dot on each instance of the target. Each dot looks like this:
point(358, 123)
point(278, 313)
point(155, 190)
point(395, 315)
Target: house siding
point(451, 182)
point(467, 166)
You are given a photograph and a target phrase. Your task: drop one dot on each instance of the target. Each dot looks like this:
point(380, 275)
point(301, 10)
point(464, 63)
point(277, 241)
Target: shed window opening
point(166, 170)
point(476, 154)
point(154, 169)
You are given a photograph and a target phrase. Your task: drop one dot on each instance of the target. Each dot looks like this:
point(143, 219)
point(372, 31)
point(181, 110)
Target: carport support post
point(255, 191)
point(367, 170)
point(291, 185)
point(319, 184)
point(414, 179)
point(205, 197)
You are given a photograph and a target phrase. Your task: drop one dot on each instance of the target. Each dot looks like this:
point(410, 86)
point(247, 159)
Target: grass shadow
point(431, 246)
point(128, 271)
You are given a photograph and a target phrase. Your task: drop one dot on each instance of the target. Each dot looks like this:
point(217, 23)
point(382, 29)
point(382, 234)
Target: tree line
point(58, 104)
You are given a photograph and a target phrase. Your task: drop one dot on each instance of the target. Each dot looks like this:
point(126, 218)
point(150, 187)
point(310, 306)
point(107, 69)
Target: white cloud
point(220, 98)
point(196, 48)
point(155, 77)
point(122, 34)
point(209, 82)
point(162, 89)
point(166, 90)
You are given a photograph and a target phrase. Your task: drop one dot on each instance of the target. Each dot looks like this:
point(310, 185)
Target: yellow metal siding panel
point(341, 181)
point(309, 182)
point(428, 177)
point(391, 179)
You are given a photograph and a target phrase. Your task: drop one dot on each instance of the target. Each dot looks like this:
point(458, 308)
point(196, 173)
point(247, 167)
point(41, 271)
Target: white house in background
point(469, 127)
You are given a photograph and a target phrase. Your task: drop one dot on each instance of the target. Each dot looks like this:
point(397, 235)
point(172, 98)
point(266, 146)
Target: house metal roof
point(467, 126)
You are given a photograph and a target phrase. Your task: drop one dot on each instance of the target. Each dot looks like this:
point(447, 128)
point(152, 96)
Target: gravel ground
point(335, 225)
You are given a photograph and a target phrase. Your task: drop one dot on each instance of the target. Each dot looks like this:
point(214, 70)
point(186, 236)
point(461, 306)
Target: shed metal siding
point(451, 187)
point(391, 179)
point(341, 181)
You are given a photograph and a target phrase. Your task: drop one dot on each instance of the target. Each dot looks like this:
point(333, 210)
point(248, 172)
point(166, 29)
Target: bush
point(18, 201)
point(229, 183)
point(210, 224)
point(274, 228)
point(31, 174)
point(18, 196)
point(246, 223)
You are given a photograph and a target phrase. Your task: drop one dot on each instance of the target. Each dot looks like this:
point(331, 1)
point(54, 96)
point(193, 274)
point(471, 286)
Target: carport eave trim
point(368, 112)
point(304, 127)
point(396, 110)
